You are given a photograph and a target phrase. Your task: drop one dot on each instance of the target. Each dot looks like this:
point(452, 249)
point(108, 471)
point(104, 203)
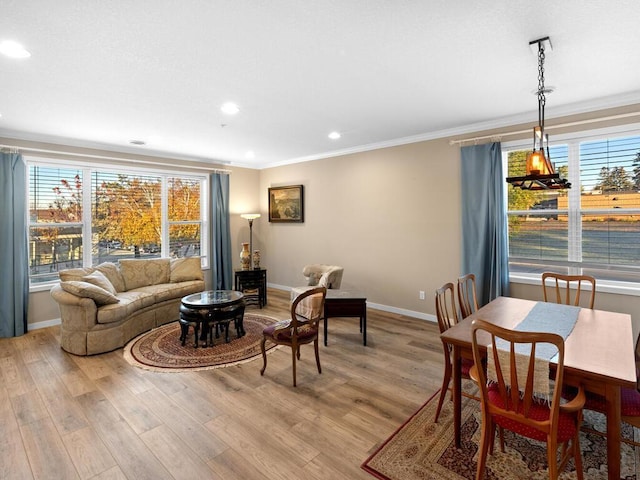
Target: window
point(592, 228)
point(86, 216)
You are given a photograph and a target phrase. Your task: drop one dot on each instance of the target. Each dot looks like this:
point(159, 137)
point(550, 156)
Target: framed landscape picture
point(286, 204)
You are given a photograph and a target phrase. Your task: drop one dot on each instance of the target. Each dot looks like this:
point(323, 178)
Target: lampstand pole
point(251, 243)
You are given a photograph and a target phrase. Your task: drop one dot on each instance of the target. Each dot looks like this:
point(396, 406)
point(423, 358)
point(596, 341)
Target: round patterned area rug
point(161, 349)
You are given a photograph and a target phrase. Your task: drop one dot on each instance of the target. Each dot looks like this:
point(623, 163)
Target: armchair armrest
point(577, 403)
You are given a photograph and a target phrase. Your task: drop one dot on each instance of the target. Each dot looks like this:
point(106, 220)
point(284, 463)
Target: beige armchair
point(319, 275)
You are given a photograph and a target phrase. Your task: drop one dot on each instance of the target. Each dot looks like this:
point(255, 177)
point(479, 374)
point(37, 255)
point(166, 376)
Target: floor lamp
point(251, 217)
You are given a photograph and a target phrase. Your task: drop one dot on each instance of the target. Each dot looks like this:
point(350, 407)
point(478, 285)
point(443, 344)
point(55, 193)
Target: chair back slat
point(446, 310)
point(514, 385)
point(467, 295)
point(569, 285)
point(502, 385)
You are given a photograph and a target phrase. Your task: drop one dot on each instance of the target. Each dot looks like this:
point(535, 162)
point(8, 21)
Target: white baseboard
point(45, 324)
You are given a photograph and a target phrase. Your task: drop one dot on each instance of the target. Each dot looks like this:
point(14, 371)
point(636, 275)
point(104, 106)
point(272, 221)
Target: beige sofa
point(102, 308)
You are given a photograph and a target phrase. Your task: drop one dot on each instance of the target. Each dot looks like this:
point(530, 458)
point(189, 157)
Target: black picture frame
point(286, 204)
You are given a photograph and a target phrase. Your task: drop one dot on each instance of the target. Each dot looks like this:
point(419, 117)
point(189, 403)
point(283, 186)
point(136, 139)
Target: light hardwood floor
point(67, 417)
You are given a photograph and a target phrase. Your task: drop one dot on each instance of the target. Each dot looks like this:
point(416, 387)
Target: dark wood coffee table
point(345, 303)
point(211, 310)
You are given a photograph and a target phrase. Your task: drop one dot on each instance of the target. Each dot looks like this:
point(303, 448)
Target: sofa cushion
point(129, 303)
point(112, 272)
point(141, 273)
point(185, 268)
point(100, 280)
point(89, 290)
point(169, 291)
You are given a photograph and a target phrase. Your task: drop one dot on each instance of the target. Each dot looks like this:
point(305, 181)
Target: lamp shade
point(250, 216)
point(537, 163)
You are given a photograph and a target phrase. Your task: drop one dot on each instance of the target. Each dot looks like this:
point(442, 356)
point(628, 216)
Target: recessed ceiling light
point(334, 135)
point(250, 154)
point(137, 142)
point(13, 49)
point(229, 108)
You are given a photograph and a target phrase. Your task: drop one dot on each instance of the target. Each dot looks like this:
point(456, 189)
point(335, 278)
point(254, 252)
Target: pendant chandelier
point(540, 173)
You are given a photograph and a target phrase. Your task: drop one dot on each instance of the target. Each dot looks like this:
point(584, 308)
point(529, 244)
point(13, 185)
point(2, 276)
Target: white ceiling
point(382, 72)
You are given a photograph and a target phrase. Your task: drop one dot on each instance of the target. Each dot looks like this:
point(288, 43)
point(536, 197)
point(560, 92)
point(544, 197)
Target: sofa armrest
point(76, 313)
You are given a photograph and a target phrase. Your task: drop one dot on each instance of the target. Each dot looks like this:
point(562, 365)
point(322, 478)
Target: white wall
point(390, 217)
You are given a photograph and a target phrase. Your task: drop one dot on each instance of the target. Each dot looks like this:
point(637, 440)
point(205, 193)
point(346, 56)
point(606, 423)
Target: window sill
point(619, 288)
point(42, 287)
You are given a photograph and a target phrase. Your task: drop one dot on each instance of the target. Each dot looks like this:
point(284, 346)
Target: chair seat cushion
point(629, 401)
point(539, 411)
point(305, 332)
point(465, 366)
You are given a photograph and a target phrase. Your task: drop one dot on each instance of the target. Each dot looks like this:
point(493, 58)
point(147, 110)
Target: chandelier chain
point(541, 94)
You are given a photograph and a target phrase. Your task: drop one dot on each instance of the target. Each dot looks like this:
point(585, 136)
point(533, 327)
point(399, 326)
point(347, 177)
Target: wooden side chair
point(629, 409)
point(568, 283)
point(306, 313)
point(509, 402)
point(447, 315)
point(467, 295)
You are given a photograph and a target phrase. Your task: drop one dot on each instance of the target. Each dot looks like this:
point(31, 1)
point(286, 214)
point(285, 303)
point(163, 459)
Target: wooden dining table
point(599, 354)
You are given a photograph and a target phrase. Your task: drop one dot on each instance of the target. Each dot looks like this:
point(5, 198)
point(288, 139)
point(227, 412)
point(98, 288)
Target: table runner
point(544, 318)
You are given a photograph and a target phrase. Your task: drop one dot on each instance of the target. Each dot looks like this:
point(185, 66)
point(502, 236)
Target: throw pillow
point(100, 280)
point(112, 272)
point(184, 269)
point(89, 290)
point(76, 274)
point(324, 280)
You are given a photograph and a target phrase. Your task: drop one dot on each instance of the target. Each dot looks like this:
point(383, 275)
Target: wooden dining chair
point(302, 328)
point(509, 402)
point(467, 295)
point(447, 315)
point(568, 283)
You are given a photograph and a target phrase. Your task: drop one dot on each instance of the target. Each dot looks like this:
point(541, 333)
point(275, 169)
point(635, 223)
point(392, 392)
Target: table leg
point(457, 394)
point(184, 331)
point(364, 326)
point(325, 330)
point(226, 331)
point(612, 394)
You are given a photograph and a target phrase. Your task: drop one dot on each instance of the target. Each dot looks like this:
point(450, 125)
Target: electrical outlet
point(421, 293)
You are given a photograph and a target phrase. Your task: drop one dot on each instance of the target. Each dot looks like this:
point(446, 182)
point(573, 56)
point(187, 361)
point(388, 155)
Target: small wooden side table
point(253, 284)
point(344, 303)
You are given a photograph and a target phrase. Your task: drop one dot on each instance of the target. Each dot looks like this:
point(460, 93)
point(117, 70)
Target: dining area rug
point(423, 450)
point(161, 350)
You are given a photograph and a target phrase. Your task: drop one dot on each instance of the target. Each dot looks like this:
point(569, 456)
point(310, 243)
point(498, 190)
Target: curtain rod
point(105, 157)
point(528, 130)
